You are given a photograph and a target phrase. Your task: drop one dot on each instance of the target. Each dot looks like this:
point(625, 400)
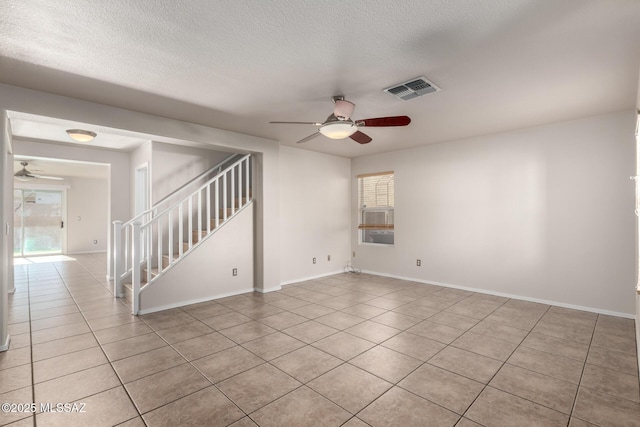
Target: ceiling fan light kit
point(338, 130)
point(339, 124)
point(81, 135)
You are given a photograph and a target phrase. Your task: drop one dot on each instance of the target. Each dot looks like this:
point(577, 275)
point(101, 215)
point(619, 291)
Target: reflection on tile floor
point(351, 350)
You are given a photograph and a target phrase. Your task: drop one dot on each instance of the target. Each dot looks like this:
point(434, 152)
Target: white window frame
point(384, 227)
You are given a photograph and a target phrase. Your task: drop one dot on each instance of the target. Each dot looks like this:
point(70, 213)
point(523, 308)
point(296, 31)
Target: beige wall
point(117, 194)
point(314, 213)
point(638, 229)
point(544, 213)
point(87, 215)
point(207, 273)
point(174, 165)
point(160, 129)
point(6, 224)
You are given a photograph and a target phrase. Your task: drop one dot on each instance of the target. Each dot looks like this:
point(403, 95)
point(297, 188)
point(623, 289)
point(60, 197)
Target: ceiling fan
point(26, 175)
point(339, 124)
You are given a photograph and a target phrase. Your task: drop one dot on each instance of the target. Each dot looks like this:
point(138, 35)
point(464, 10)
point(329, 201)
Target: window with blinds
point(376, 204)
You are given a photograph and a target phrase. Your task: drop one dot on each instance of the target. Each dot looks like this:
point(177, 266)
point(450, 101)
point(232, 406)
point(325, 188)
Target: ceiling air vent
point(412, 89)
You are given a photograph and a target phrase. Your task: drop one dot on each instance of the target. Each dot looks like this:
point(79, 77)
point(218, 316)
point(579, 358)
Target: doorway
point(141, 201)
point(142, 188)
point(38, 218)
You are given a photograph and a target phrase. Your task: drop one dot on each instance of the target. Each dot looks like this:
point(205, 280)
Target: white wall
point(137, 158)
point(174, 165)
point(160, 129)
point(117, 195)
point(314, 213)
point(6, 227)
point(206, 273)
point(638, 230)
point(87, 215)
point(544, 213)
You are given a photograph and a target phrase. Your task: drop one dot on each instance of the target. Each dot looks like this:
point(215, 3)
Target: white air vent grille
point(412, 89)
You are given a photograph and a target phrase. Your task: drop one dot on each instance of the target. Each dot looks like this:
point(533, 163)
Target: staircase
point(153, 242)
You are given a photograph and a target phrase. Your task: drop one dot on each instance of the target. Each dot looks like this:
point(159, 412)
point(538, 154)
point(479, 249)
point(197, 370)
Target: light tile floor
point(352, 350)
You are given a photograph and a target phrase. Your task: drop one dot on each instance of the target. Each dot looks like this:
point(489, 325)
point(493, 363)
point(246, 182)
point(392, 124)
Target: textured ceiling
point(501, 64)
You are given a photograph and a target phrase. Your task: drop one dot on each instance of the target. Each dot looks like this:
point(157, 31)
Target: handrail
point(142, 243)
point(218, 166)
point(182, 187)
point(202, 187)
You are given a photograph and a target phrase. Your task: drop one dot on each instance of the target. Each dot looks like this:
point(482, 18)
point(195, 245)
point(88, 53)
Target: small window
point(376, 204)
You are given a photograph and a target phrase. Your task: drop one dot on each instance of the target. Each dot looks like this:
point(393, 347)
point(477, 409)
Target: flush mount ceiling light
point(81, 135)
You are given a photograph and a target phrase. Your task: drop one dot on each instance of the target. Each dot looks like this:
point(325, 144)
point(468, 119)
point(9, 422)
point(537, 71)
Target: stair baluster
point(145, 260)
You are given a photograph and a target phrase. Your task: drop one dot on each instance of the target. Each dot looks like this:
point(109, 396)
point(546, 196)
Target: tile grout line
point(426, 362)
point(350, 289)
point(264, 361)
point(505, 362)
point(584, 366)
point(192, 365)
point(99, 345)
point(33, 378)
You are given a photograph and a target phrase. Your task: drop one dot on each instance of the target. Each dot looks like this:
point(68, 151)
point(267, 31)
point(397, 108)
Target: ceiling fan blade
point(298, 123)
point(361, 138)
point(385, 121)
point(313, 135)
point(57, 178)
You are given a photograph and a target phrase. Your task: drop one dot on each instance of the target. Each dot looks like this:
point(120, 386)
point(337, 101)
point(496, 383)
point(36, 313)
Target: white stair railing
point(143, 241)
point(122, 244)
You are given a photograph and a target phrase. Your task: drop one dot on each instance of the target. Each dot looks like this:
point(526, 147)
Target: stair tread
point(129, 286)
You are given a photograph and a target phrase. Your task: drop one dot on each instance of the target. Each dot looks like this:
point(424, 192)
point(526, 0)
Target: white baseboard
point(86, 252)
point(266, 290)
point(501, 294)
point(302, 279)
point(194, 301)
point(7, 342)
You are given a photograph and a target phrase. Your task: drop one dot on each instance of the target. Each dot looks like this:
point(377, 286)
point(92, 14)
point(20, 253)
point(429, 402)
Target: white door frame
point(142, 197)
point(63, 189)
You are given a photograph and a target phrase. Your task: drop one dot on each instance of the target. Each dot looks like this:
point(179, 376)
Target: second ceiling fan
point(339, 124)
point(26, 175)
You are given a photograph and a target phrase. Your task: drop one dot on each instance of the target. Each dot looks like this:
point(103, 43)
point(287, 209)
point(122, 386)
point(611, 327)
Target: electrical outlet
point(354, 254)
point(235, 272)
point(419, 263)
point(328, 257)
point(95, 242)
point(314, 260)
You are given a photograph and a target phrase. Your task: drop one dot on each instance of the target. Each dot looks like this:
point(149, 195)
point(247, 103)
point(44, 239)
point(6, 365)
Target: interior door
point(38, 222)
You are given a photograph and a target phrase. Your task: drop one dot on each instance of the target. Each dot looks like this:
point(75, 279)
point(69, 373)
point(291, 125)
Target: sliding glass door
point(37, 222)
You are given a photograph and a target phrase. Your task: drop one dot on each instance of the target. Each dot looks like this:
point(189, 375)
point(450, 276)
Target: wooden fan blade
point(385, 121)
point(361, 138)
point(298, 123)
point(313, 135)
